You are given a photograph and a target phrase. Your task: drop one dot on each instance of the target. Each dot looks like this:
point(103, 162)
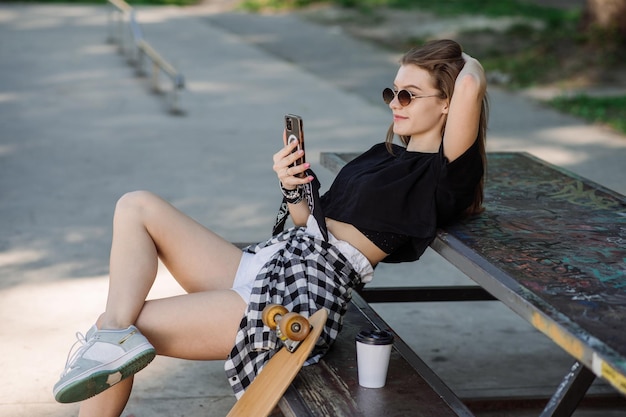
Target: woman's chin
point(401, 132)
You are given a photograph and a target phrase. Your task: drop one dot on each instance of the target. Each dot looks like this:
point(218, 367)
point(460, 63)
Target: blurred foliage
point(606, 110)
point(443, 8)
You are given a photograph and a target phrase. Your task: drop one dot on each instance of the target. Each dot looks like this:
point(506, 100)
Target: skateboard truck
point(291, 328)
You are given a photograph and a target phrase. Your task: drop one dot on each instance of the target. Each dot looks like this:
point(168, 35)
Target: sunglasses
point(404, 96)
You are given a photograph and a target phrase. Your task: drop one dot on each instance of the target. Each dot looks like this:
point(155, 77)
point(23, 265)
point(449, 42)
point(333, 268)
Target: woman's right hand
point(289, 175)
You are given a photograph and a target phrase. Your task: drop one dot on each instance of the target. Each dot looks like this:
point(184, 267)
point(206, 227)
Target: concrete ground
point(79, 128)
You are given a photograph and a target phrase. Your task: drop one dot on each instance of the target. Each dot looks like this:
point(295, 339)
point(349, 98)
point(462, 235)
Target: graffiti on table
point(560, 236)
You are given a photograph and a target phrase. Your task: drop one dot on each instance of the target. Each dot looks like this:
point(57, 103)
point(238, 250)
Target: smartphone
point(294, 132)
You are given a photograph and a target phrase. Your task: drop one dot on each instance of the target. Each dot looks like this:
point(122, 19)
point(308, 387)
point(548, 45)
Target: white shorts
point(251, 263)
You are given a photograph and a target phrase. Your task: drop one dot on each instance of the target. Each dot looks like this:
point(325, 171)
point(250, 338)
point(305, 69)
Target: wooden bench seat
point(331, 388)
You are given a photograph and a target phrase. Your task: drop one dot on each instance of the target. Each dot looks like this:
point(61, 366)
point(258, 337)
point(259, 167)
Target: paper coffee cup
point(373, 349)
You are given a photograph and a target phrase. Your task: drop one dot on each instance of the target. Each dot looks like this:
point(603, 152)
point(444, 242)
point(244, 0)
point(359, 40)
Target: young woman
point(383, 206)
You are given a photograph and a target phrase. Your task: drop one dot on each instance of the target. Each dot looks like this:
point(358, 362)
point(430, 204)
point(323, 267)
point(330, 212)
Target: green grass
point(492, 8)
point(605, 110)
point(256, 6)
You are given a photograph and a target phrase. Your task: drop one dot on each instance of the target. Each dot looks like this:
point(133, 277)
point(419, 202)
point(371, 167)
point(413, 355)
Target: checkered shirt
point(308, 274)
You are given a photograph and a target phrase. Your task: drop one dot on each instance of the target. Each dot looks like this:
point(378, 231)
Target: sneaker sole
point(95, 383)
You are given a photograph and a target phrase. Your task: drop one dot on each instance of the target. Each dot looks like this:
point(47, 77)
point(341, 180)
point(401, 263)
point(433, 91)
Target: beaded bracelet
point(292, 196)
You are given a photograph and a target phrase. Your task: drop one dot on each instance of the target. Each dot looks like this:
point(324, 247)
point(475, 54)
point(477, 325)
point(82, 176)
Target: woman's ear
point(446, 107)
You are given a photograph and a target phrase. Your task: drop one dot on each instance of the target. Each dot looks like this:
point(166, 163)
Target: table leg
point(570, 392)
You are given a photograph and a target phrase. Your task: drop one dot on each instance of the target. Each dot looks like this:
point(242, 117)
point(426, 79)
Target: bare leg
point(109, 403)
point(144, 227)
point(199, 325)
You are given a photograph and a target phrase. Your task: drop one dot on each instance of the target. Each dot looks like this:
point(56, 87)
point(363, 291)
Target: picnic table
point(551, 246)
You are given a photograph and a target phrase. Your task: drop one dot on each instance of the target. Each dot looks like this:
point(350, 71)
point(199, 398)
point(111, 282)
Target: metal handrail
point(141, 48)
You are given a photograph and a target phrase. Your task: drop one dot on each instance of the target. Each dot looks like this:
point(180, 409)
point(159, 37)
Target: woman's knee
point(136, 202)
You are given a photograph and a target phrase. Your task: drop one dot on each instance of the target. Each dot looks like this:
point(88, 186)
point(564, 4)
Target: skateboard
point(299, 336)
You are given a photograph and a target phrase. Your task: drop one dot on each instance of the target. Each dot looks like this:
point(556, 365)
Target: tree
point(606, 15)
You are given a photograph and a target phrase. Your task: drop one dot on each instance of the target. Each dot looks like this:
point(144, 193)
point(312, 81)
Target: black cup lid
point(375, 337)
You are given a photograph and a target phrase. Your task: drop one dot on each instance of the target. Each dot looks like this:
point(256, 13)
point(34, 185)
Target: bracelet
point(292, 196)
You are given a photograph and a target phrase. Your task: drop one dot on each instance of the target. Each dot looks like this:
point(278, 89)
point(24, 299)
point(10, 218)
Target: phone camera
point(289, 125)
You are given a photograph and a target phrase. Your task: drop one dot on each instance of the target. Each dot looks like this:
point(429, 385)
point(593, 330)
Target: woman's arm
point(465, 107)
point(299, 213)
point(289, 180)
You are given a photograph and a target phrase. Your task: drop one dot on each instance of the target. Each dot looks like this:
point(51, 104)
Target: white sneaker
point(105, 358)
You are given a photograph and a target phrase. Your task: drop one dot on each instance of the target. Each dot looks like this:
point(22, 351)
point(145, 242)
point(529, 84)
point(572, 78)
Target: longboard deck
point(268, 387)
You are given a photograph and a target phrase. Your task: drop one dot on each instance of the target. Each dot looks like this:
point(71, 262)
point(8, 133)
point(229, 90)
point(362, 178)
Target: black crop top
point(399, 200)
point(386, 241)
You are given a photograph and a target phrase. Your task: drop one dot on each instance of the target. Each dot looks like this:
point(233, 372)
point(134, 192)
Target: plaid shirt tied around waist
point(305, 275)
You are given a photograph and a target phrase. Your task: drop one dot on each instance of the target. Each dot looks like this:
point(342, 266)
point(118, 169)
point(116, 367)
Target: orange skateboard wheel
point(271, 315)
point(294, 326)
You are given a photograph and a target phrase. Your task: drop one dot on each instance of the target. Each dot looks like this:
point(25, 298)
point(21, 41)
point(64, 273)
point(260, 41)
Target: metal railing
point(124, 30)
